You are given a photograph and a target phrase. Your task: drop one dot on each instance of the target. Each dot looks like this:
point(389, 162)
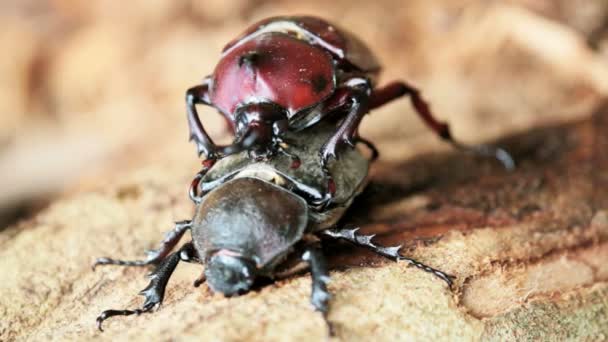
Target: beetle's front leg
point(319, 297)
point(155, 291)
point(155, 256)
point(352, 98)
point(204, 144)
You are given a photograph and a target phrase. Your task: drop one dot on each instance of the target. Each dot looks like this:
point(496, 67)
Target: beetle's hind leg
point(154, 256)
point(398, 89)
point(351, 235)
point(319, 297)
point(155, 291)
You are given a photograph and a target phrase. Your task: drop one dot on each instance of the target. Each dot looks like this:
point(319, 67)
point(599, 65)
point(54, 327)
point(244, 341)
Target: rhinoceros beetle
point(255, 218)
point(288, 73)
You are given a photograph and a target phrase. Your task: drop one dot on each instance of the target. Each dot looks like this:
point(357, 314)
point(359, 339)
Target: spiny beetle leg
point(155, 291)
point(204, 143)
point(351, 235)
point(319, 297)
point(155, 256)
point(352, 98)
point(394, 90)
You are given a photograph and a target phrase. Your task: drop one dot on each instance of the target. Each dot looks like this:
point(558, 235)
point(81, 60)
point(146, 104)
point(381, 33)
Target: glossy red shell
point(346, 47)
point(287, 71)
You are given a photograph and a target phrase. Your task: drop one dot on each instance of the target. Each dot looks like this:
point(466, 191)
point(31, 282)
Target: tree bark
point(528, 249)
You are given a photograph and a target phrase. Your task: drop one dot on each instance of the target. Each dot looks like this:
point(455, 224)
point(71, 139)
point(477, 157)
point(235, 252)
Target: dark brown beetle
point(253, 218)
point(288, 73)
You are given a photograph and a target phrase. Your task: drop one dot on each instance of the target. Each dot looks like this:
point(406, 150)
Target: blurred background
point(92, 89)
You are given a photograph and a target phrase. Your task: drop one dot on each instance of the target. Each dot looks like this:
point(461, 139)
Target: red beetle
point(287, 73)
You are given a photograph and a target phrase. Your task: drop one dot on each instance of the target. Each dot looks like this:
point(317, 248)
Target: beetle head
point(230, 274)
point(257, 127)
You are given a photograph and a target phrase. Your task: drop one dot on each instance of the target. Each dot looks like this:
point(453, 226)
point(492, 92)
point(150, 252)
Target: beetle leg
point(194, 185)
point(369, 145)
point(155, 256)
point(353, 99)
point(155, 291)
point(351, 235)
point(319, 297)
point(397, 89)
point(204, 144)
point(200, 280)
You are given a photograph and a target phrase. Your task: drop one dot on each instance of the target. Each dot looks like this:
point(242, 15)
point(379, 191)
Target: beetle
point(255, 218)
point(288, 73)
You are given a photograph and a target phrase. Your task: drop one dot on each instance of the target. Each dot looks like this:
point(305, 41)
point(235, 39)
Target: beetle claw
point(326, 156)
point(349, 142)
point(155, 291)
point(500, 154)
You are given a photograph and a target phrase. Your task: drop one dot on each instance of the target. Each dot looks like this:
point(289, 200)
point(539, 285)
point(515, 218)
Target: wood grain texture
point(528, 249)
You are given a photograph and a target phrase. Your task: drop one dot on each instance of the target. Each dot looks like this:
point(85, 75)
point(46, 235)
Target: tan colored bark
point(528, 248)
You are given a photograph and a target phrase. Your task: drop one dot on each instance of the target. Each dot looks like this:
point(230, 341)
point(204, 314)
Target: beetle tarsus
point(351, 235)
point(488, 151)
point(172, 237)
point(111, 313)
point(155, 291)
point(326, 154)
point(320, 296)
point(397, 89)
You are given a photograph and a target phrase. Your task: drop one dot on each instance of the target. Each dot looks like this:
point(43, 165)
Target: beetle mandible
point(286, 74)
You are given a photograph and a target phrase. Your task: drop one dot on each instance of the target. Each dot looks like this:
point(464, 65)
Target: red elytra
point(344, 46)
point(287, 71)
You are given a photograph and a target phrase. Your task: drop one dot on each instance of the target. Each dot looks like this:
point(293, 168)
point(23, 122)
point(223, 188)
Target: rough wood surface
point(528, 248)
